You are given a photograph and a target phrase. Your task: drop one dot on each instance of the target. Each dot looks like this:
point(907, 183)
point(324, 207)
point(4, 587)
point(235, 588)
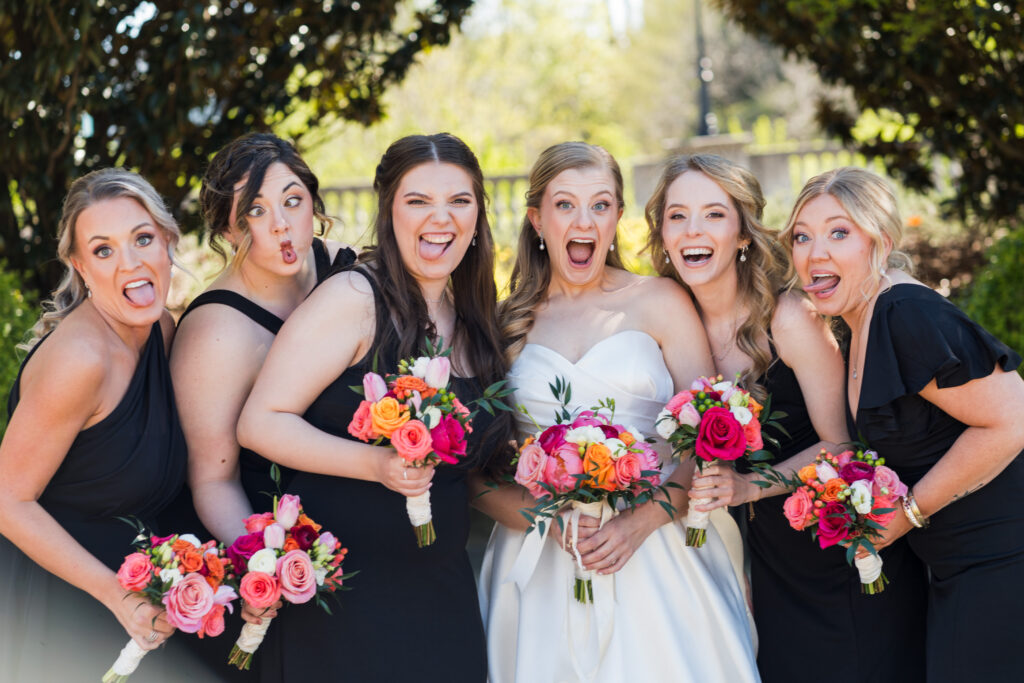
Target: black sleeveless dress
point(412, 613)
point(807, 601)
point(974, 547)
point(131, 464)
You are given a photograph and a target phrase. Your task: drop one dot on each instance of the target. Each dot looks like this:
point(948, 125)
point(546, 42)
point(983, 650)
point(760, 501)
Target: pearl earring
point(612, 248)
point(743, 253)
point(667, 259)
point(881, 271)
point(541, 241)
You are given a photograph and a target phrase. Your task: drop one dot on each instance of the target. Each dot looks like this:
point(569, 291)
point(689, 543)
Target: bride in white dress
point(661, 611)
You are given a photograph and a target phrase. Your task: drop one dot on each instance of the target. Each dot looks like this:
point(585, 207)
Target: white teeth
point(818, 276)
point(581, 241)
point(438, 239)
point(136, 283)
point(697, 251)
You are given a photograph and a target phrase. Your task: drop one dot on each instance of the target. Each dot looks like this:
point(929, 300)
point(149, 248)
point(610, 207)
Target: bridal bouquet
point(191, 580)
point(589, 463)
point(847, 499)
point(286, 557)
point(422, 419)
point(719, 422)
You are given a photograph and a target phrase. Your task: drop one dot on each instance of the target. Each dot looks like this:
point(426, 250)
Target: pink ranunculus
point(798, 508)
point(213, 622)
point(627, 469)
point(833, 519)
point(855, 470)
point(649, 461)
point(273, 536)
point(449, 440)
point(688, 415)
point(530, 469)
point(361, 426)
point(297, 577)
point(412, 441)
point(752, 433)
point(676, 403)
point(882, 503)
point(259, 589)
point(135, 572)
point(187, 602)
point(258, 522)
point(587, 418)
point(374, 387)
point(305, 536)
point(243, 548)
point(287, 510)
point(886, 478)
point(438, 371)
point(561, 465)
point(843, 459)
point(720, 436)
point(552, 437)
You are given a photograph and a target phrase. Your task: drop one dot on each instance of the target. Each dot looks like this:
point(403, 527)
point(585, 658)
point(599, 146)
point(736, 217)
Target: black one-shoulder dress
point(974, 547)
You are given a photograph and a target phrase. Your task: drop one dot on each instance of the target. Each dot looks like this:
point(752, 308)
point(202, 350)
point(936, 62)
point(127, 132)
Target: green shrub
point(17, 315)
point(994, 298)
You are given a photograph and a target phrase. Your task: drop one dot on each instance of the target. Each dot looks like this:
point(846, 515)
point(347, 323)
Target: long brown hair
point(531, 273)
point(472, 287)
point(759, 276)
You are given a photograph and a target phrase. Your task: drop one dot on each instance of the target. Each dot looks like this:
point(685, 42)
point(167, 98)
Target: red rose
point(243, 548)
point(855, 470)
point(833, 522)
point(448, 439)
point(552, 437)
point(720, 435)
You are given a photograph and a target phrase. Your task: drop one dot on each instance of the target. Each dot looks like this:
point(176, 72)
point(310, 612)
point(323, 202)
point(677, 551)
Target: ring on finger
point(153, 635)
point(405, 473)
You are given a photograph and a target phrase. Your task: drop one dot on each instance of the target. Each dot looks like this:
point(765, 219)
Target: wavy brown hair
point(759, 277)
point(471, 285)
point(531, 273)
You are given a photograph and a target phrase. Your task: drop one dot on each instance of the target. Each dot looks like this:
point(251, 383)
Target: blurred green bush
point(17, 315)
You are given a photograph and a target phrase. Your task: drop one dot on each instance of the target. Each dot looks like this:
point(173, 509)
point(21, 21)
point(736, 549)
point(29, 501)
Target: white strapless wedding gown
point(672, 614)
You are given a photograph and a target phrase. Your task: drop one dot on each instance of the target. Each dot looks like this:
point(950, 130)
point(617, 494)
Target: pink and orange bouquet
point(192, 581)
point(718, 422)
point(847, 499)
point(285, 556)
point(589, 463)
point(422, 419)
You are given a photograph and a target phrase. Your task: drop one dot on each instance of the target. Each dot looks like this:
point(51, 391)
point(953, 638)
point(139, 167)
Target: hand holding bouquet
point(847, 499)
point(284, 556)
point(718, 422)
point(187, 578)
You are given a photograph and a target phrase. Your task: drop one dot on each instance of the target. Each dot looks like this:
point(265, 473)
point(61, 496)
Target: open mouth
point(433, 245)
point(140, 293)
point(581, 252)
point(288, 253)
point(822, 285)
point(697, 256)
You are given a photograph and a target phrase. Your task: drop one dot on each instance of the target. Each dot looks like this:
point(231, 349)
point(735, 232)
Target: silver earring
point(88, 292)
point(743, 253)
point(881, 271)
point(474, 240)
point(541, 241)
point(667, 259)
point(612, 248)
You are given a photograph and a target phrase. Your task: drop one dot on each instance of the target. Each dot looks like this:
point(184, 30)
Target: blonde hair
point(871, 205)
point(91, 189)
point(531, 273)
point(759, 277)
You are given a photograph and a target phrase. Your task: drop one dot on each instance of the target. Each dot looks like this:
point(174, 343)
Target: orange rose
point(627, 438)
point(598, 463)
point(214, 567)
point(833, 487)
point(290, 544)
point(190, 560)
point(303, 520)
point(179, 546)
point(406, 384)
point(808, 473)
point(387, 415)
point(754, 407)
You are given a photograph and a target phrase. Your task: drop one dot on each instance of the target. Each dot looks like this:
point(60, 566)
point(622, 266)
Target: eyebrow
point(415, 193)
point(143, 224)
point(284, 189)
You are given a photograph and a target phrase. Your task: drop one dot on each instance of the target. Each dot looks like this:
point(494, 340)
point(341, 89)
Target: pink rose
point(855, 470)
point(676, 403)
point(552, 437)
point(273, 536)
point(297, 577)
point(213, 622)
point(720, 436)
point(374, 387)
point(135, 572)
point(259, 589)
point(561, 465)
point(688, 415)
point(833, 521)
point(258, 522)
point(843, 459)
point(412, 441)
point(361, 426)
point(187, 602)
point(886, 478)
point(587, 418)
point(627, 469)
point(438, 370)
point(449, 440)
point(752, 433)
point(798, 508)
point(530, 469)
point(243, 548)
point(650, 461)
point(288, 510)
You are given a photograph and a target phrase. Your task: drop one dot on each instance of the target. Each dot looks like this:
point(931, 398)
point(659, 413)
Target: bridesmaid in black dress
point(936, 396)
point(93, 435)
point(412, 613)
point(260, 198)
point(705, 217)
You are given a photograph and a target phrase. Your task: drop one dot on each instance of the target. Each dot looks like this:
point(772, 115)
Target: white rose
point(722, 387)
point(584, 435)
point(419, 367)
point(635, 432)
point(171, 575)
point(665, 424)
point(617, 448)
point(264, 560)
point(431, 417)
point(191, 539)
point(826, 472)
point(742, 415)
point(860, 496)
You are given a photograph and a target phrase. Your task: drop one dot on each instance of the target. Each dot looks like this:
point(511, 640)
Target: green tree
point(159, 86)
point(942, 80)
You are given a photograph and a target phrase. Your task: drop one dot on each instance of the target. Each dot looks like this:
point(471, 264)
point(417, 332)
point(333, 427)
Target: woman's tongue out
point(140, 293)
point(288, 254)
point(580, 252)
point(433, 245)
point(822, 285)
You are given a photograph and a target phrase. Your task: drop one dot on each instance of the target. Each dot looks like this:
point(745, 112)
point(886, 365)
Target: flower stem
point(240, 658)
point(876, 586)
point(425, 534)
point(695, 537)
point(583, 591)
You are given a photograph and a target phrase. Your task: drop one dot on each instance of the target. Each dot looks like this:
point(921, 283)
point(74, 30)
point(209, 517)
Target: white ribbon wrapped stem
point(418, 508)
point(698, 519)
point(128, 660)
point(870, 568)
point(252, 635)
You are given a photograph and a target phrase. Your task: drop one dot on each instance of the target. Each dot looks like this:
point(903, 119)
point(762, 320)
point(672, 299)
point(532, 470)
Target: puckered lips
point(695, 257)
point(433, 245)
point(140, 292)
point(581, 251)
point(288, 253)
point(823, 284)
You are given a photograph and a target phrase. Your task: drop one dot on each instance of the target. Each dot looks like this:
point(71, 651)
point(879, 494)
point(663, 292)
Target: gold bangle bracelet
point(909, 513)
point(911, 504)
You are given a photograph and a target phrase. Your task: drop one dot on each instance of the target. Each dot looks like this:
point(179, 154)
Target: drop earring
point(743, 253)
point(667, 259)
point(612, 248)
point(541, 241)
point(473, 243)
